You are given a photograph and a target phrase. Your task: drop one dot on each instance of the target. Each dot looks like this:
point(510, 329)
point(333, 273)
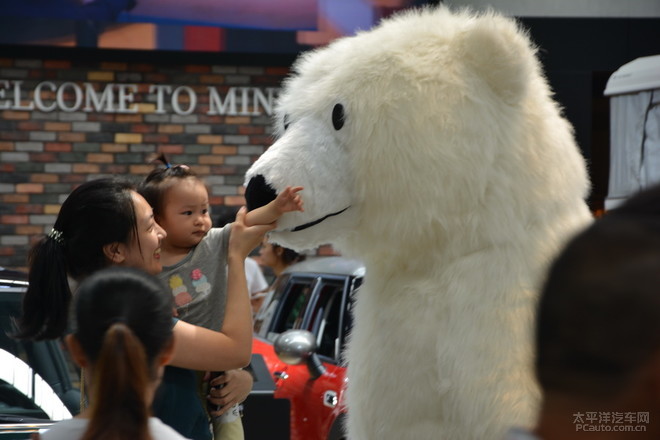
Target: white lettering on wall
point(48, 96)
point(261, 103)
point(4, 103)
point(244, 101)
point(17, 98)
point(160, 91)
point(265, 101)
point(217, 107)
point(94, 103)
point(126, 92)
point(38, 95)
point(62, 103)
point(192, 99)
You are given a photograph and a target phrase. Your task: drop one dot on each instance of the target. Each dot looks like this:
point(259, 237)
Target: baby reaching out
point(194, 256)
point(287, 201)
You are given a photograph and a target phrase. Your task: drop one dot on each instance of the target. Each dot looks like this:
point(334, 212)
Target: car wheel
point(337, 430)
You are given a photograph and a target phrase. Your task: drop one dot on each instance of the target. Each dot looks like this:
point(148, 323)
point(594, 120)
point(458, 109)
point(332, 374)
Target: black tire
point(337, 431)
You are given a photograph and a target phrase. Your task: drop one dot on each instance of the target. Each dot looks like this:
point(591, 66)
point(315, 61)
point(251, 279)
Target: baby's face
point(185, 214)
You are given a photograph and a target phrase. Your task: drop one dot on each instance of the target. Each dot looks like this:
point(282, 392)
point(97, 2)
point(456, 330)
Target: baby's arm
point(286, 201)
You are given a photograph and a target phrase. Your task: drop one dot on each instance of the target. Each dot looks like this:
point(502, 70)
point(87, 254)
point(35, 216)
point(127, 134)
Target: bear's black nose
point(258, 193)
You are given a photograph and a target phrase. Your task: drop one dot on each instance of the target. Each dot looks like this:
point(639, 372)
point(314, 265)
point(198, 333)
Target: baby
point(194, 255)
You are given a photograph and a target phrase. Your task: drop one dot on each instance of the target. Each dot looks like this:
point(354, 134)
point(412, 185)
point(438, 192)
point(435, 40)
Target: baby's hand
point(289, 200)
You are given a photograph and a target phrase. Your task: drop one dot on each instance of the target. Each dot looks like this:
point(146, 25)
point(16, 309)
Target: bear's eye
point(338, 116)
point(285, 121)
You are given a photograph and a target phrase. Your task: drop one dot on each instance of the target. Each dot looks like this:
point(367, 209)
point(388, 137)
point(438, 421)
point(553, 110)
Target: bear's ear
point(499, 53)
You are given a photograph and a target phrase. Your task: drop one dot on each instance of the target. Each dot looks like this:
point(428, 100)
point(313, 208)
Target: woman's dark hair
point(289, 256)
point(158, 181)
point(96, 213)
point(124, 322)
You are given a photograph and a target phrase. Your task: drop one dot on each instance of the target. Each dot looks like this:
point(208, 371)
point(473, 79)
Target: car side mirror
point(295, 347)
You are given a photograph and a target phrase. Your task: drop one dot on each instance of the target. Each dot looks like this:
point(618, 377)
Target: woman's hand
point(229, 389)
point(243, 239)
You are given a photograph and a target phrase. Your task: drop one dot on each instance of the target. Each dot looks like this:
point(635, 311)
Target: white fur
point(462, 181)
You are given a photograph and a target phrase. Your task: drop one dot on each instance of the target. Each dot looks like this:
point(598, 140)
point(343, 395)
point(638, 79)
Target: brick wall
point(51, 142)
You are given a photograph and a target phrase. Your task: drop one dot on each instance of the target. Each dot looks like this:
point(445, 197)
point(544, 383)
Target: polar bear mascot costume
point(430, 148)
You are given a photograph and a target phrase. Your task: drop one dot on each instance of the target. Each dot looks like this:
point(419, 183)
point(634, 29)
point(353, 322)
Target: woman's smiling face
point(144, 250)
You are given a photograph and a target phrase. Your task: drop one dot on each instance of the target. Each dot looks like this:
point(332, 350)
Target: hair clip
point(56, 235)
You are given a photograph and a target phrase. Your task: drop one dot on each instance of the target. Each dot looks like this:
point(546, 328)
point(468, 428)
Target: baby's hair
point(162, 178)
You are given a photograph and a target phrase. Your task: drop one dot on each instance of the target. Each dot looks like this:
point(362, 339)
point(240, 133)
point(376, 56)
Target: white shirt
point(256, 282)
point(73, 429)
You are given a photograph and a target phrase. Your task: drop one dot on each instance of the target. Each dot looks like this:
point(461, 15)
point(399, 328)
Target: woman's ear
point(114, 252)
point(77, 353)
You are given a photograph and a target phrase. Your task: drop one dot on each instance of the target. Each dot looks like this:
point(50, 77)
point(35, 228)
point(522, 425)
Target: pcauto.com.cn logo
point(604, 421)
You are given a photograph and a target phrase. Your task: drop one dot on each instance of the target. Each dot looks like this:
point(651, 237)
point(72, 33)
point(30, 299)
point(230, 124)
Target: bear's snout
point(258, 193)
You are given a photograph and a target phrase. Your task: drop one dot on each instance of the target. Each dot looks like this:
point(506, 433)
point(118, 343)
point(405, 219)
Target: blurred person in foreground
point(123, 339)
point(598, 330)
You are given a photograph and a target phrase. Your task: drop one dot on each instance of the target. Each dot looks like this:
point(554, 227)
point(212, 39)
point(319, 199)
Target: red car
point(306, 320)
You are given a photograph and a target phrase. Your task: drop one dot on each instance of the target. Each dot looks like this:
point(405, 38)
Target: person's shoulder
point(70, 429)
point(517, 433)
point(216, 240)
point(251, 264)
point(217, 233)
point(161, 431)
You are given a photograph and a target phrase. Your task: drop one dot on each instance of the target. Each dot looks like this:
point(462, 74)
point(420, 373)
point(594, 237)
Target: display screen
point(266, 26)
